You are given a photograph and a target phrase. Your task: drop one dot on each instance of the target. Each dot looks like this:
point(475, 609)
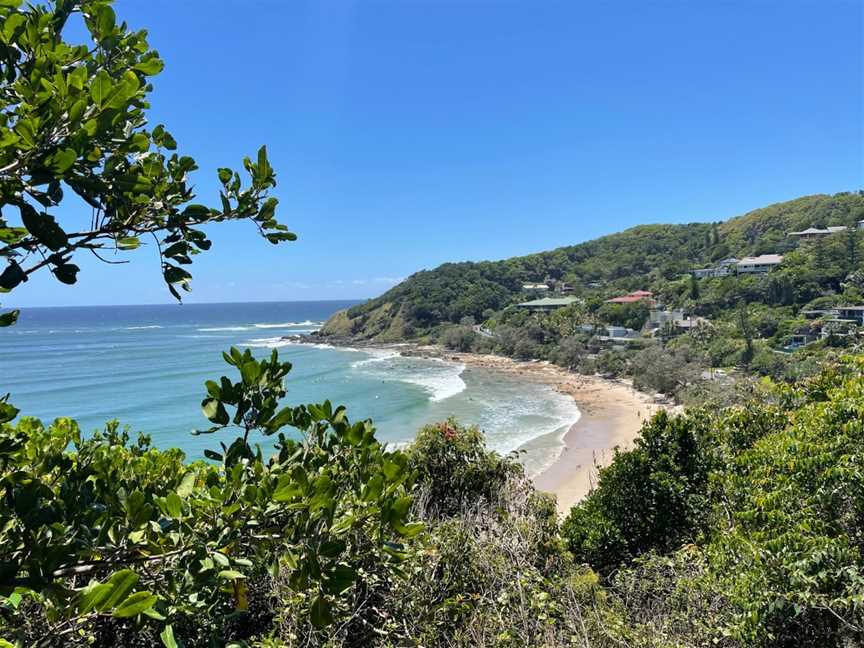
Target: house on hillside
point(851, 314)
point(813, 233)
point(548, 303)
point(633, 297)
point(758, 264)
point(659, 317)
point(800, 339)
point(616, 335)
point(819, 313)
point(722, 269)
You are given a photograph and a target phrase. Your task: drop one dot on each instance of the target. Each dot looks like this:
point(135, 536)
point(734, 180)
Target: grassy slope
point(640, 257)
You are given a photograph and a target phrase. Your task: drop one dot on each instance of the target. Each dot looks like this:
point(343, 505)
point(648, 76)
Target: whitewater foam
point(440, 378)
point(287, 324)
point(143, 328)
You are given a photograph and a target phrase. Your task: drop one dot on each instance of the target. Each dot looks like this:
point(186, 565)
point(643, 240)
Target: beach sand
point(612, 415)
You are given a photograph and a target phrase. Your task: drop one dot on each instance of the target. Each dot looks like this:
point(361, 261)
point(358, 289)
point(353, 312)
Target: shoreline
point(611, 416)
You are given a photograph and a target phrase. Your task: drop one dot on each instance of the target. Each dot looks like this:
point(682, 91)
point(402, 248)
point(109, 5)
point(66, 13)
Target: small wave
point(287, 324)
point(279, 342)
point(141, 328)
point(440, 378)
point(378, 355)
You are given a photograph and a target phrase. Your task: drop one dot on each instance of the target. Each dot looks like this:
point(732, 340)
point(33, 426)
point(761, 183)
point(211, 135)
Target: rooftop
point(635, 296)
point(831, 229)
point(761, 259)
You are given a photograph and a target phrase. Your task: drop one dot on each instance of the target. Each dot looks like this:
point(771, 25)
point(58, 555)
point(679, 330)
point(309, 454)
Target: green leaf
point(215, 411)
point(135, 604)
point(63, 160)
point(173, 505)
point(66, 273)
point(101, 87)
point(167, 637)
point(104, 596)
point(210, 454)
point(105, 20)
point(374, 488)
point(8, 319)
point(128, 243)
point(151, 66)
point(187, 485)
point(12, 276)
point(340, 578)
point(43, 227)
point(320, 614)
point(12, 234)
point(230, 574)
point(7, 411)
point(399, 508)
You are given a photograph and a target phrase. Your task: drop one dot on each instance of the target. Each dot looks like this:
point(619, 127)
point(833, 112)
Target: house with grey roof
point(758, 264)
point(548, 303)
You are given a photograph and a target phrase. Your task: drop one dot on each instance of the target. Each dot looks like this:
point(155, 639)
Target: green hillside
point(643, 257)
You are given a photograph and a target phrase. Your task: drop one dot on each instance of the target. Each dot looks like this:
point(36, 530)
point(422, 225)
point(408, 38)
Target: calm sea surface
point(146, 366)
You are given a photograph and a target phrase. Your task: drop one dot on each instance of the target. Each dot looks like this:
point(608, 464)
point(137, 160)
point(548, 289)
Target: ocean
point(146, 367)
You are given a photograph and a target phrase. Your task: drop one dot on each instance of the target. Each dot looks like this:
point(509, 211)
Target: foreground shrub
point(791, 557)
point(112, 543)
point(651, 498)
point(454, 471)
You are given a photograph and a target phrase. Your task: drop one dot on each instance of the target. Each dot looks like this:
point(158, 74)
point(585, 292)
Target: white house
point(759, 264)
point(814, 232)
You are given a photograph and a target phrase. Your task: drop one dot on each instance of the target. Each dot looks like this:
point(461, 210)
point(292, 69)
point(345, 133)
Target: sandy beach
point(612, 415)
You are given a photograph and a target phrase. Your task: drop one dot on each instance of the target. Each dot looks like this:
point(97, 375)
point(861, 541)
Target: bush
point(103, 540)
point(651, 498)
point(454, 470)
point(458, 338)
point(656, 369)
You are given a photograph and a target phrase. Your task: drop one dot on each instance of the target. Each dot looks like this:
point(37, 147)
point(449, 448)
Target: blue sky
point(406, 134)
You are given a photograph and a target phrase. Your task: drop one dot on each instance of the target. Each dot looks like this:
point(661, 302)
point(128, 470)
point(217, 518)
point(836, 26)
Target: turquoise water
point(146, 366)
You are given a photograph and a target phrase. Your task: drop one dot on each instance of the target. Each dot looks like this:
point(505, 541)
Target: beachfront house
point(633, 297)
point(616, 335)
point(759, 264)
point(548, 303)
point(722, 269)
point(813, 233)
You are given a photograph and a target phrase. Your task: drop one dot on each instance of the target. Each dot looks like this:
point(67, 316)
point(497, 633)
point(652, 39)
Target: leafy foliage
point(453, 469)
point(101, 527)
point(73, 119)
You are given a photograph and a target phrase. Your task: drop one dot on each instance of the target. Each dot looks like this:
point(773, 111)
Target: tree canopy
point(74, 131)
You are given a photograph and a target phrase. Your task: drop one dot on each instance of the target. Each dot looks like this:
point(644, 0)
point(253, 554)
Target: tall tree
point(73, 119)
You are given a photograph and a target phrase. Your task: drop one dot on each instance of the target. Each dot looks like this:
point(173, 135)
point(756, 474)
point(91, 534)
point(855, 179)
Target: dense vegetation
point(745, 321)
point(725, 526)
point(735, 526)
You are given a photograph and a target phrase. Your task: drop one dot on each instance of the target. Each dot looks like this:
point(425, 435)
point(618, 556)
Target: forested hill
point(643, 257)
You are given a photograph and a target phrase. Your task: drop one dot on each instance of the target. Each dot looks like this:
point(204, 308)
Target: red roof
point(632, 297)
